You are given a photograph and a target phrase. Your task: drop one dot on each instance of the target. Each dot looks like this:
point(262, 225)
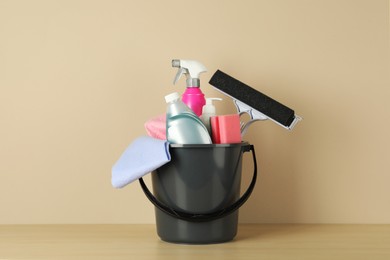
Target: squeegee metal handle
point(256, 115)
point(242, 108)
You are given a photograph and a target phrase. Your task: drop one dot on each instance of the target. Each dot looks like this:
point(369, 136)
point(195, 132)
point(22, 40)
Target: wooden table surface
point(141, 242)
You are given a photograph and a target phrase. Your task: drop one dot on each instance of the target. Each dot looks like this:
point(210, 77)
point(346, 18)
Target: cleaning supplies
point(183, 126)
point(253, 102)
point(142, 156)
point(193, 96)
point(208, 111)
point(156, 127)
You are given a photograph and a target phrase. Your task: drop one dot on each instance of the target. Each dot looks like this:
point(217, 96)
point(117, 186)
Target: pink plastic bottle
point(193, 96)
point(194, 99)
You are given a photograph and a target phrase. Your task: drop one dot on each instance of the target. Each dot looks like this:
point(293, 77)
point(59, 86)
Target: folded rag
point(143, 155)
point(156, 127)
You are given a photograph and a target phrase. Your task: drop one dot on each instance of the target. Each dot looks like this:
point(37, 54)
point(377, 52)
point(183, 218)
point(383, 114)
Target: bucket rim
point(243, 143)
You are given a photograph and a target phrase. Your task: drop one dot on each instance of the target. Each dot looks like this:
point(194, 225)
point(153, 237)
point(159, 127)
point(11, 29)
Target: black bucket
point(197, 194)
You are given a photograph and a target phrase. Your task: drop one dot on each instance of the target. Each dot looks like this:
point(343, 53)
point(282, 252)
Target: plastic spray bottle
point(208, 111)
point(183, 126)
point(193, 96)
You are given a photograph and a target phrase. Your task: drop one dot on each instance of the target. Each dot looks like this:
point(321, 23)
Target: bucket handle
point(199, 217)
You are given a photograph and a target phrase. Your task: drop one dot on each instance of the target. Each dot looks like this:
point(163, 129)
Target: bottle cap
point(172, 97)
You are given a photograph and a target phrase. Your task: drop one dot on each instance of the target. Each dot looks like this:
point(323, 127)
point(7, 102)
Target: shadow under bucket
point(197, 194)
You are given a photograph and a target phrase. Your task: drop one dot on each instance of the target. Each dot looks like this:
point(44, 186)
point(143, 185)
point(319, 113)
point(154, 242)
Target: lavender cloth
point(141, 157)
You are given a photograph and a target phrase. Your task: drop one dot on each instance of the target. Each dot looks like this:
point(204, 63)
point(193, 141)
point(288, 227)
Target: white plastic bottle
point(183, 125)
point(208, 111)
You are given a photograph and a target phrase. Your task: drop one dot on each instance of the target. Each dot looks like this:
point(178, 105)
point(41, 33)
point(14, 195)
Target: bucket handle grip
point(199, 217)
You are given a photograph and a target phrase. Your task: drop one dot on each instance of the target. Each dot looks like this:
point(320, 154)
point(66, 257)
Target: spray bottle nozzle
point(191, 69)
point(176, 63)
point(209, 101)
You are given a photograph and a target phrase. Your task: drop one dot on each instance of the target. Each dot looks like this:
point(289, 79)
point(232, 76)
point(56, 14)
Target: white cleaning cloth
point(143, 155)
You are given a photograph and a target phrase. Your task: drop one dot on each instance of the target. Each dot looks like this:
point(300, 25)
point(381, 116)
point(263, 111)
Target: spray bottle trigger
point(180, 72)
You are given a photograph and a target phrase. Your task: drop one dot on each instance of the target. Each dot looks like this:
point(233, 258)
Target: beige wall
point(78, 79)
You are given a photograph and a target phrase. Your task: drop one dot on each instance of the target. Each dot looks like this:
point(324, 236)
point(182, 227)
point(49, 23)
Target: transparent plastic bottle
point(183, 125)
